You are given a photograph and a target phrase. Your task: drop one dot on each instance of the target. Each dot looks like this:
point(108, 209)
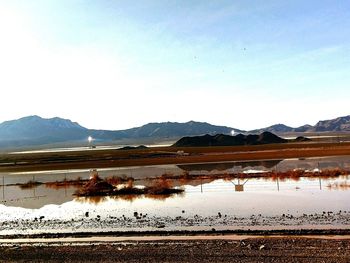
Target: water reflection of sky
point(205, 197)
point(259, 197)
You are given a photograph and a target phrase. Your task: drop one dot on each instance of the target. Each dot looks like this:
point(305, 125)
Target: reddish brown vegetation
point(99, 187)
point(339, 186)
point(162, 186)
point(274, 175)
point(29, 185)
point(297, 174)
point(65, 183)
point(95, 187)
point(117, 180)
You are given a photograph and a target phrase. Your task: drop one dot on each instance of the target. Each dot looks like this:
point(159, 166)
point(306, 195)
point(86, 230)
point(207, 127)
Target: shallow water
point(200, 204)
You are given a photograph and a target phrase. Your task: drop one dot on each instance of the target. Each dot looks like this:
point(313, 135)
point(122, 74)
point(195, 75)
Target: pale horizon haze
point(121, 64)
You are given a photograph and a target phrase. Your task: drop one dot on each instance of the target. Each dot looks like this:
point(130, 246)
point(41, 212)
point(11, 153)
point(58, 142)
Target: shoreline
point(166, 155)
point(182, 234)
point(98, 240)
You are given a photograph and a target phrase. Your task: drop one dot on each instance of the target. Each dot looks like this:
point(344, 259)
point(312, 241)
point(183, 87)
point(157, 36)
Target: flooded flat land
point(34, 203)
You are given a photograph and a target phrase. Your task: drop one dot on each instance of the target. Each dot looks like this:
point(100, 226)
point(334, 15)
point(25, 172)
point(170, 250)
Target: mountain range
point(34, 130)
point(340, 124)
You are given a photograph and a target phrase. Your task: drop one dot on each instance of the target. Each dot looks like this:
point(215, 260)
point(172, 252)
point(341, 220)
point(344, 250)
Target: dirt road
point(267, 249)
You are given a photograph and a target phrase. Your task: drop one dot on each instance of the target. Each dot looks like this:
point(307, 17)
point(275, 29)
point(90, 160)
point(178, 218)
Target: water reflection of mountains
point(40, 195)
point(227, 166)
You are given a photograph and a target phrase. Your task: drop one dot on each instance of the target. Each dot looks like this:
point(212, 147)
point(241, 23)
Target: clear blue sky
point(120, 64)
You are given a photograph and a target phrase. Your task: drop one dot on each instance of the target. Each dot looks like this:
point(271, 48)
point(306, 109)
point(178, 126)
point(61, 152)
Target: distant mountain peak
point(276, 128)
point(177, 129)
point(339, 124)
point(35, 127)
point(30, 117)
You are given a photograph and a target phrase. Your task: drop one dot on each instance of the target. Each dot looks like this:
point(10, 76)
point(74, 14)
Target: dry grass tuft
point(99, 187)
point(339, 186)
point(65, 183)
point(30, 184)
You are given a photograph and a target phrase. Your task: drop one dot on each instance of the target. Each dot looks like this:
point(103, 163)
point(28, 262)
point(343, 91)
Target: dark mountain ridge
point(227, 140)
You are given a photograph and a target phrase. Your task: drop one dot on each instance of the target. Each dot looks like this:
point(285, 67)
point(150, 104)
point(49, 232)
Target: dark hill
point(227, 140)
point(140, 147)
point(302, 139)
